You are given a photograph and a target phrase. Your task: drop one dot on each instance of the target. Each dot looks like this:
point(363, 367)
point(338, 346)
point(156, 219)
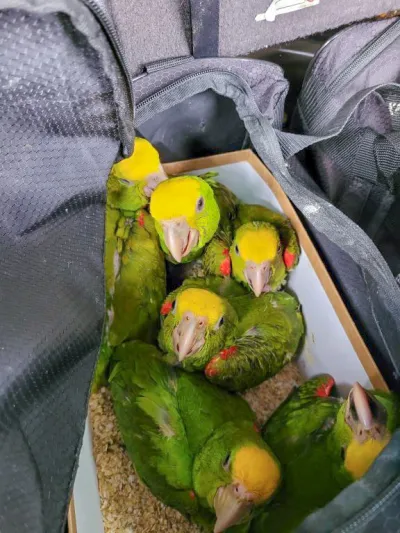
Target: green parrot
point(135, 274)
point(187, 216)
point(238, 341)
point(197, 214)
point(200, 216)
point(264, 249)
point(132, 180)
point(323, 444)
point(194, 445)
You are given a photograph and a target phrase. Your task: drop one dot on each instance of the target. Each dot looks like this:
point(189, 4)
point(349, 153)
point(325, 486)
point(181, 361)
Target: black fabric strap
point(205, 27)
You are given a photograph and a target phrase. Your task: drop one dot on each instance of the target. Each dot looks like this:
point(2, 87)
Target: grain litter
point(127, 505)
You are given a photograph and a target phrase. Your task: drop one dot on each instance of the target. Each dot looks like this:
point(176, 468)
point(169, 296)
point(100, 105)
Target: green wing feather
point(298, 433)
point(135, 283)
point(166, 416)
point(391, 403)
point(216, 260)
point(206, 408)
point(267, 338)
point(216, 256)
point(144, 392)
point(301, 418)
point(140, 282)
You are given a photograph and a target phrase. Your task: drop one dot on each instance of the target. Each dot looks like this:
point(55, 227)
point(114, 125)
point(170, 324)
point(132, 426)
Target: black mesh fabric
point(58, 139)
point(359, 171)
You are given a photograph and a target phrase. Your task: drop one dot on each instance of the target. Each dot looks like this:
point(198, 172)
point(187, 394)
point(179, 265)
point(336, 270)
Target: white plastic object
point(280, 7)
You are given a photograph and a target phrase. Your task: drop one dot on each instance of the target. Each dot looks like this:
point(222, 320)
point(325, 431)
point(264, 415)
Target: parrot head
point(197, 322)
point(235, 472)
point(363, 428)
point(133, 179)
point(255, 254)
point(186, 215)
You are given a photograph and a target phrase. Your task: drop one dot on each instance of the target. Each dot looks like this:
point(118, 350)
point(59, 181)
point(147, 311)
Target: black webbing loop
point(205, 27)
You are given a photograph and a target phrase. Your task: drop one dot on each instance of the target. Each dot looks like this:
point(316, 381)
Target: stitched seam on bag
point(371, 513)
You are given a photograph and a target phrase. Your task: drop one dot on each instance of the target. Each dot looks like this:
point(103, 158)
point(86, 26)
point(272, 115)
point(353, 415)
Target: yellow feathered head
point(186, 215)
point(255, 248)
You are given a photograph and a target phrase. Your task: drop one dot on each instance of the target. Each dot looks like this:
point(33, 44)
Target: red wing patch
point(210, 369)
point(141, 219)
point(225, 267)
point(166, 308)
point(289, 259)
point(325, 389)
point(227, 353)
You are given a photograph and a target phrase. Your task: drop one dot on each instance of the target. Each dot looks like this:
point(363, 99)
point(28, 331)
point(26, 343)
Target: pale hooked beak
point(257, 276)
point(179, 237)
point(230, 508)
point(153, 180)
point(365, 415)
point(188, 336)
point(359, 397)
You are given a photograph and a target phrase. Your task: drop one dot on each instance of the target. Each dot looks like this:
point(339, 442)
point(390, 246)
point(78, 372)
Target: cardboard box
point(332, 344)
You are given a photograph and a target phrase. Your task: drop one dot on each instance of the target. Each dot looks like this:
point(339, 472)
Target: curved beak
point(179, 237)
point(257, 276)
point(359, 399)
point(188, 336)
point(153, 180)
point(229, 508)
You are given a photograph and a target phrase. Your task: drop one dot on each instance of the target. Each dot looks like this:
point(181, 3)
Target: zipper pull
point(162, 64)
point(280, 7)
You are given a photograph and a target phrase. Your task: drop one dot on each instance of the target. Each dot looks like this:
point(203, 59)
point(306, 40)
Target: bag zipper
point(368, 514)
point(319, 52)
point(196, 75)
point(193, 76)
point(329, 90)
point(109, 28)
point(179, 82)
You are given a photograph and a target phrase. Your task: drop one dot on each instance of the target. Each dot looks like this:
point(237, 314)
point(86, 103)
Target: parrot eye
point(200, 204)
point(220, 322)
point(125, 182)
point(237, 249)
point(227, 463)
point(173, 306)
point(343, 453)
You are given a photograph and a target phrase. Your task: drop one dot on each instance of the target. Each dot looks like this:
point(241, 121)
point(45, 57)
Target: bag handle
point(205, 28)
